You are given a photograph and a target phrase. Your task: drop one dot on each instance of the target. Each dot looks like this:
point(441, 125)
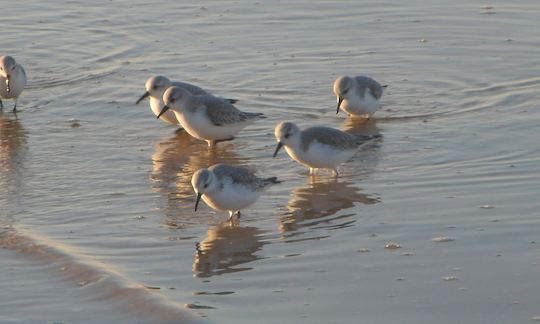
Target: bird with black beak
point(12, 80)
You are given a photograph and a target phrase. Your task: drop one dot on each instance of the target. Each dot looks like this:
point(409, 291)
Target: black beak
point(278, 147)
point(144, 96)
point(165, 108)
point(199, 195)
point(8, 89)
point(338, 104)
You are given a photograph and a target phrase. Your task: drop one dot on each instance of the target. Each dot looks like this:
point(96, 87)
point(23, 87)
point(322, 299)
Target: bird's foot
point(232, 218)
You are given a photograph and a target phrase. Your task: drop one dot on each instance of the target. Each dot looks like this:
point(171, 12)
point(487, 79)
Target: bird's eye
point(13, 68)
point(173, 100)
point(287, 135)
point(155, 87)
point(345, 91)
point(205, 186)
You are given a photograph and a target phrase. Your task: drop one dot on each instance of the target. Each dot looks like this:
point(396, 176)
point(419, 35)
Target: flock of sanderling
point(214, 119)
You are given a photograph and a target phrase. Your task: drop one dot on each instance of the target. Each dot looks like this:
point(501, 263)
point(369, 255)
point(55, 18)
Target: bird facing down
point(155, 88)
point(206, 117)
point(12, 80)
point(358, 96)
point(317, 147)
point(228, 187)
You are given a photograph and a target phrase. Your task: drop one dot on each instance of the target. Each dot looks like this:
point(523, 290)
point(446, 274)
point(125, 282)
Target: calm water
point(96, 209)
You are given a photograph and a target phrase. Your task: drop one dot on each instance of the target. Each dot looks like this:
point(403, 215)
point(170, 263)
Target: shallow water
point(96, 208)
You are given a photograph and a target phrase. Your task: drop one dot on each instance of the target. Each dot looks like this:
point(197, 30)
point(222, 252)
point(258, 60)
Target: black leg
point(1, 105)
point(15, 108)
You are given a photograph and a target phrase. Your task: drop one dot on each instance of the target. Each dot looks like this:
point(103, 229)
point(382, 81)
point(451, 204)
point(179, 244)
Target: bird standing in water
point(12, 80)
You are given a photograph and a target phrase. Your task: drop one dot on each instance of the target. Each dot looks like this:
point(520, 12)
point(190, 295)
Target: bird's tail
point(271, 181)
point(231, 100)
point(250, 115)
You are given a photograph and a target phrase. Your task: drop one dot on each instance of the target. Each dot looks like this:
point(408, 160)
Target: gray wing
point(193, 89)
point(222, 112)
point(374, 87)
point(238, 175)
point(329, 136)
point(23, 72)
point(196, 91)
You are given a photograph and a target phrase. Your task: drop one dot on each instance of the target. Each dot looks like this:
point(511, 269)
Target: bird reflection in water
point(361, 126)
point(168, 159)
point(174, 162)
point(227, 247)
point(13, 138)
point(367, 157)
point(318, 203)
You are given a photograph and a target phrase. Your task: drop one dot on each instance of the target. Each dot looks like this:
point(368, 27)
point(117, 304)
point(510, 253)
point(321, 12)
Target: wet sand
point(435, 222)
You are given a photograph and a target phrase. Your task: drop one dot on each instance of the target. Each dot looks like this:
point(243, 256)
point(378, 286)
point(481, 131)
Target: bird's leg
point(198, 248)
point(336, 173)
point(231, 214)
point(15, 107)
point(311, 171)
point(1, 105)
point(238, 214)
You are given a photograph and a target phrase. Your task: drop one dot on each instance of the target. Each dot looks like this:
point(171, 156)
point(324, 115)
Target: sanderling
point(358, 96)
point(317, 147)
point(156, 86)
point(209, 118)
point(12, 80)
point(228, 187)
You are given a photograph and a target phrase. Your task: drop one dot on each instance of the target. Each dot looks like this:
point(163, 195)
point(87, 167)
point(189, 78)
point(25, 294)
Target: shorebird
point(228, 187)
point(318, 147)
point(155, 87)
point(206, 117)
point(358, 96)
point(12, 80)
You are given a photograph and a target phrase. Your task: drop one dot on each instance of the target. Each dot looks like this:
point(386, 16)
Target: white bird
point(155, 87)
point(358, 96)
point(318, 147)
point(12, 80)
point(228, 187)
point(206, 117)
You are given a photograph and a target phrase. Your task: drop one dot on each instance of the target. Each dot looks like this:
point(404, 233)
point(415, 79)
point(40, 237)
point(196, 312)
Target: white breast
point(199, 125)
point(232, 197)
point(320, 155)
point(358, 106)
point(157, 105)
point(16, 85)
